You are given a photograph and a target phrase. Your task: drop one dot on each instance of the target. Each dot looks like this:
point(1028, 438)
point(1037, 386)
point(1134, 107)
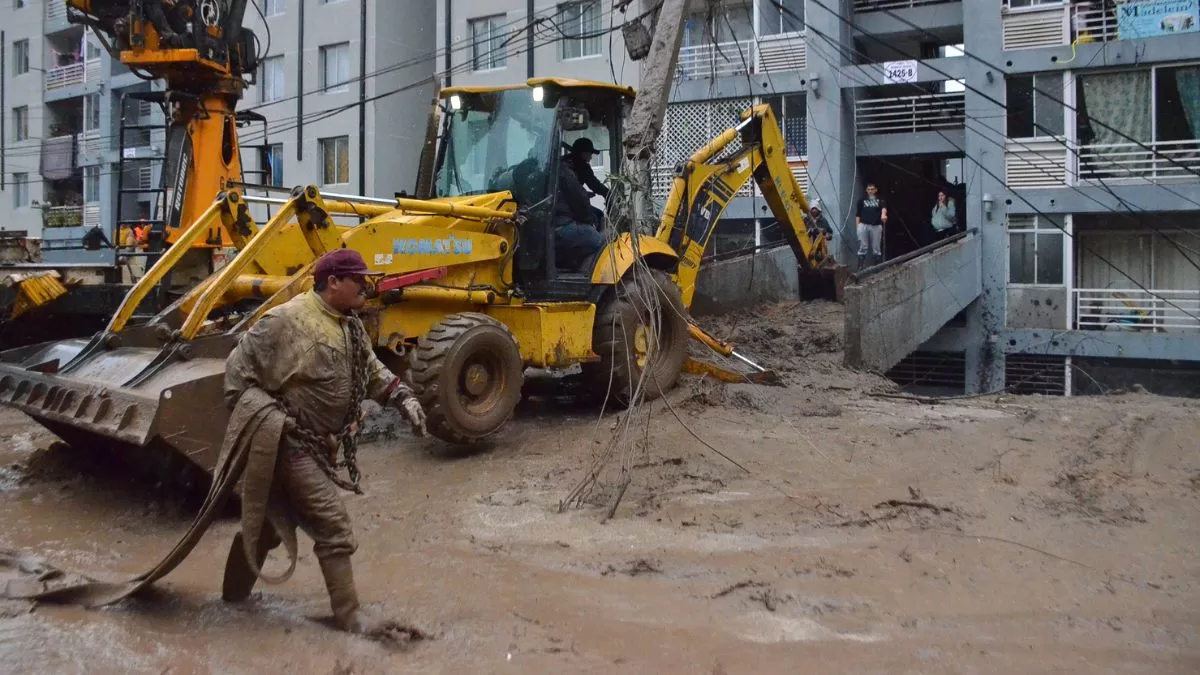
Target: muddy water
point(1068, 546)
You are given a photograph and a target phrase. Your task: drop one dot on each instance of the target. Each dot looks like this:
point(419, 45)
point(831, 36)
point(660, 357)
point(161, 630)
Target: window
point(790, 112)
point(1035, 251)
point(91, 112)
point(335, 67)
point(274, 7)
point(273, 164)
point(782, 16)
point(20, 190)
point(335, 160)
point(580, 23)
point(21, 123)
point(271, 88)
point(1031, 110)
point(91, 184)
point(488, 50)
point(93, 50)
point(20, 57)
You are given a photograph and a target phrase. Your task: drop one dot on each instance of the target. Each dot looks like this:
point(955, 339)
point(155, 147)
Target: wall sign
point(899, 72)
point(1151, 18)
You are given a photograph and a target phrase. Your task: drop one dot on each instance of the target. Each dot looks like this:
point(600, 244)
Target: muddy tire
point(467, 371)
point(624, 338)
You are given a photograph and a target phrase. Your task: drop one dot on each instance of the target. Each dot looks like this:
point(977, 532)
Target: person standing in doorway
point(872, 216)
point(944, 218)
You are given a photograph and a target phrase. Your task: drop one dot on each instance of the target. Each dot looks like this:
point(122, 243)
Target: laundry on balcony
point(58, 157)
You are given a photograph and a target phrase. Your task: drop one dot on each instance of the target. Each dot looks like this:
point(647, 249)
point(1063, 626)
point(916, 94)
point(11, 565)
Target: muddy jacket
point(300, 352)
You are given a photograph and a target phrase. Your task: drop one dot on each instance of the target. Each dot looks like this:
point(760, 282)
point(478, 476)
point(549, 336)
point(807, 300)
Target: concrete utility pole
point(646, 119)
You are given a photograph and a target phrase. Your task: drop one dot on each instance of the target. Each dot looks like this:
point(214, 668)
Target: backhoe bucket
point(147, 399)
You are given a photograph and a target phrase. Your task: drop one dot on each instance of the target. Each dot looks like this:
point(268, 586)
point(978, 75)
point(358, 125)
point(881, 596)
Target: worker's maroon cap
point(344, 262)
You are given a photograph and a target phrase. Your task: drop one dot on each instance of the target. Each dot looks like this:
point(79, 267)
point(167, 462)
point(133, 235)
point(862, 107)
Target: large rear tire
point(641, 331)
point(468, 371)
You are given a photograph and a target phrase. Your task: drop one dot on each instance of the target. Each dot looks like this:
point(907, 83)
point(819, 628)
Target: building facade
point(68, 163)
point(1068, 136)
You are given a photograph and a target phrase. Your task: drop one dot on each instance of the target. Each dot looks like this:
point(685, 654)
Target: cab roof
point(558, 82)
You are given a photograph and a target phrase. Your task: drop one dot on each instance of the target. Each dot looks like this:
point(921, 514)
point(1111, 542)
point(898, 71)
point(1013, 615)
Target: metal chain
point(315, 445)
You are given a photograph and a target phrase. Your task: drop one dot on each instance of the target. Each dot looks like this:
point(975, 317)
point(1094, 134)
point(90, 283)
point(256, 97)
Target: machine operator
point(577, 224)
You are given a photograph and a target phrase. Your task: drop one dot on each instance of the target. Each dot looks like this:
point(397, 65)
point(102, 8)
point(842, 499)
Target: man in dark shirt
point(575, 235)
point(872, 216)
point(580, 159)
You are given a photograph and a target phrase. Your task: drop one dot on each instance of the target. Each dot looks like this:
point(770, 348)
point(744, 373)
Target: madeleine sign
point(1151, 18)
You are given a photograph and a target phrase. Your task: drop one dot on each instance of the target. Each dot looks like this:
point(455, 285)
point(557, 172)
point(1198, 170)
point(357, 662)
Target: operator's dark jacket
point(573, 204)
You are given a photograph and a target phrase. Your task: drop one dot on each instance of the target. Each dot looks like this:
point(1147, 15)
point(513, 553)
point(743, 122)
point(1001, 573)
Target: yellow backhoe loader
point(472, 293)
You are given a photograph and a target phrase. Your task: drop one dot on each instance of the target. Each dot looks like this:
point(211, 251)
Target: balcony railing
point(907, 114)
point(1130, 161)
point(56, 11)
point(91, 213)
point(63, 216)
point(1094, 24)
point(65, 76)
point(1126, 309)
point(722, 58)
point(880, 5)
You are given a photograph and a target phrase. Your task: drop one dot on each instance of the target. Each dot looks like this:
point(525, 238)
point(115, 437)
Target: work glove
point(412, 410)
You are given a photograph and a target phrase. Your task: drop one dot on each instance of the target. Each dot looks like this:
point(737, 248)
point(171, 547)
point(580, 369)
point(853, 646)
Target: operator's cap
point(583, 145)
point(344, 262)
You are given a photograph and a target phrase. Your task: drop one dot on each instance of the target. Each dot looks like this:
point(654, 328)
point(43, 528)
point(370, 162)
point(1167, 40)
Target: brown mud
point(991, 535)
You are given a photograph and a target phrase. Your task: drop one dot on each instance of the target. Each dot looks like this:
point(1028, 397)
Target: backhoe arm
point(709, 180)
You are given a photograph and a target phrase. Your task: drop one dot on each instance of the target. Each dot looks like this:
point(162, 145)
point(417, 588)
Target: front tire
point(468, 373)
point(641, 336)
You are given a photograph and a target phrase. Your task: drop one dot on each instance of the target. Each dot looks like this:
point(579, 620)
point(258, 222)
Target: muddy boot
point(862, 262)
point(349, 615)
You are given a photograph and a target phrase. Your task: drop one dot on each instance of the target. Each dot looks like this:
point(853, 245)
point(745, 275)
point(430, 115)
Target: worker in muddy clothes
point(313, 356)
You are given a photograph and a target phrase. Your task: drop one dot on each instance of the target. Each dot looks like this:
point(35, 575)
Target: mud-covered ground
point(810, 528)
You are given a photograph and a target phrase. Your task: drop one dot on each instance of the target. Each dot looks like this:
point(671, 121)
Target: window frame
point(91, 108)
point(1033, 225)
point(21, 190)
point(279, 7)
point(264, 90)
point(21, 57)
point(339, 48)
point(580, 7)
point(20, 120)
point(336, 142)
point(1060, 94)
point(1081, 100)
point(496, 58)
point(271, 150)
point(91, 178)
point(782, 120)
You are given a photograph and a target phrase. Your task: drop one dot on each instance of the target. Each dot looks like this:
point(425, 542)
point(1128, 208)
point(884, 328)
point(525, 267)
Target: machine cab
point(517, 139)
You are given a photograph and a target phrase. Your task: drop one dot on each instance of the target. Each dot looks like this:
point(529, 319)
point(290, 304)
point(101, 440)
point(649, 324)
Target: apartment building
point(76, 144)
point(1068, 134)
point(322, 57)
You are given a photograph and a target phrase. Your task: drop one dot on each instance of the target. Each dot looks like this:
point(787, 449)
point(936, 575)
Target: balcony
point(1155, 311)
point(72, 74)
point(715, 60)
point(1094, 24)
point(1130, 161)
point(63, 216)
point(880, 5)
point(909, 114)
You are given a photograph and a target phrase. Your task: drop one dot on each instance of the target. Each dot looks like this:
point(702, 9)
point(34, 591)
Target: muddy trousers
point(309, 499)
point(870, 241)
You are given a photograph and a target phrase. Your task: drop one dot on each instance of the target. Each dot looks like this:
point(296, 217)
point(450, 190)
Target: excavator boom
point(708, 180)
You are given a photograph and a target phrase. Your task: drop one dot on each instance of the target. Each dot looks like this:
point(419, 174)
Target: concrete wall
point(767, 276)
point(891, 313)
point(1036, 307)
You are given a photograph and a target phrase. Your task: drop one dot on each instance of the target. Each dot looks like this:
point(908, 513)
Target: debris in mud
point(769, 598)
point(707, 392)
point(895, 508)
point(749, 583)
point(1095, 494)
point(635, 568)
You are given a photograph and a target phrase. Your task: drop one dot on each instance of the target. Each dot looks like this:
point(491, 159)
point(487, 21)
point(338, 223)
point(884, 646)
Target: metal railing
point(1093, 24)
point(65, 76)
point(722, 58)
point(880, 5)
point(1155, 310)
point(906, 114)
point(63, 216)
point(56, 10)
point(1161, 159)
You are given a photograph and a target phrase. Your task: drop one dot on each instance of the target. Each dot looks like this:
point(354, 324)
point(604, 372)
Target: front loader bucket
point(148, 400)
